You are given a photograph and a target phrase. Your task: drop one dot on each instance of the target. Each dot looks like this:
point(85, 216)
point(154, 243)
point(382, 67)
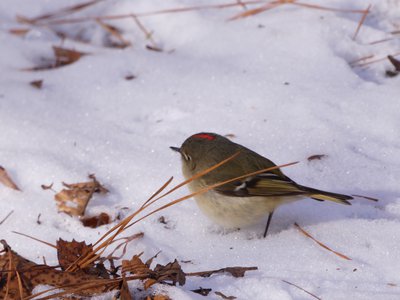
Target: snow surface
point(279, 81)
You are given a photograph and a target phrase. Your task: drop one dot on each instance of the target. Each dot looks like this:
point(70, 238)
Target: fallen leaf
point(124, 292)
point(202, 291)
point(395, 62)
point(130, 77)
point(170, 272)
point(20, 276)
point(136, 266)
point(37, 83)
point(6, 180)
point(114, 32)
point(19, 31)
point(47, 187)
point(62, 57)
point(76, 197)
point(154, 48)
point(316, 156)
point(69, 252)
point(96, 221)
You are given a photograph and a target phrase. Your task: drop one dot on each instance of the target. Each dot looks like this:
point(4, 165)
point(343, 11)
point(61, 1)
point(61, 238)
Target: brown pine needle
point(300, 288)
point(90, 257)
point(363, 17)
point(35, 239)
point(319, 243)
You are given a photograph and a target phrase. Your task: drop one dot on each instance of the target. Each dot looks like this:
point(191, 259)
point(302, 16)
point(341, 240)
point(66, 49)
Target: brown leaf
point(202, 291)
point(148, 283)
point(136, 266)
point(96, 221)
point(76, 197)
point(170, 272)
point(37, 83)
point(154, 48)
point(47, 187)
point(125, 294)
point(115, 32)
point(130, 77)
point(225, 297)
point(234, 271)
point(395, 62)
point(19, 31)
point(69, 252)
point(19, 276)
point(62, 57)
point(316, 156)
point(6, 179)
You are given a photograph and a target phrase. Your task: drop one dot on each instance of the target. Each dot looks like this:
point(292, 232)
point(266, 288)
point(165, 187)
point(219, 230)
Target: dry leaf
point(202, 291)
point(76, 197)
point(37, 83)
point(395, 62)
point(96, 221)
point(69, 252)
point(136, 266)
point(124, 292)
point(62, 57)
point(316, 156)
point(47, 187)
point(130, 77)
point(154, 48)
point(170, 272)
point(6, 180)
point(115, 32)
point(19, 31)
point(20, 276)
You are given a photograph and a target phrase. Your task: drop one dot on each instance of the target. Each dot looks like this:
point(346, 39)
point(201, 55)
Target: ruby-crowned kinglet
point(246, 201)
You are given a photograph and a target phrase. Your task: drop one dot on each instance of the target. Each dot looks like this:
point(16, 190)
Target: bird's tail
point(322, 196)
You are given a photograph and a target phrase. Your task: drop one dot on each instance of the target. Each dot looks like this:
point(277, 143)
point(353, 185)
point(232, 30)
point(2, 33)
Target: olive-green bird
point(246, 201)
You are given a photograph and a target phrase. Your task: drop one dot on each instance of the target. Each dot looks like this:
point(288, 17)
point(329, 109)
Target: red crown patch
point(204, 136)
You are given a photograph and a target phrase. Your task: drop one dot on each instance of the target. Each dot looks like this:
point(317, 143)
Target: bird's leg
point(268, 222)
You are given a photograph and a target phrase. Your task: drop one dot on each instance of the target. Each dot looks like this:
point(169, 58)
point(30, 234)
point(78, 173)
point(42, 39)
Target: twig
point(300, 288)
point(363, 17)
point(6, 217)
point(319, 243)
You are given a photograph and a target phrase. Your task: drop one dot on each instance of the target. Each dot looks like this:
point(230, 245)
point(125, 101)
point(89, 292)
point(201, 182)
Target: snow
point(279, 81)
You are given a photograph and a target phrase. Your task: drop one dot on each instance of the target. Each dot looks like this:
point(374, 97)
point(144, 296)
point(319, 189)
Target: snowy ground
point(279, 81)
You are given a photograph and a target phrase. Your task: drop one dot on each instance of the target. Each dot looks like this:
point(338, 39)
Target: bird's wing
point(266, 184)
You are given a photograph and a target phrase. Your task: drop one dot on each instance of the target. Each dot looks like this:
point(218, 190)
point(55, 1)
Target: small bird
point(243, 202)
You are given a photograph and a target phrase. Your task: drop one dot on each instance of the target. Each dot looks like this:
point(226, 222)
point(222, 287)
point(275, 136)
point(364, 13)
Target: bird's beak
point(176, 149)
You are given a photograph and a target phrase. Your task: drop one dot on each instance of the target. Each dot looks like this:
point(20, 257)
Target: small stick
point(6, 217)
